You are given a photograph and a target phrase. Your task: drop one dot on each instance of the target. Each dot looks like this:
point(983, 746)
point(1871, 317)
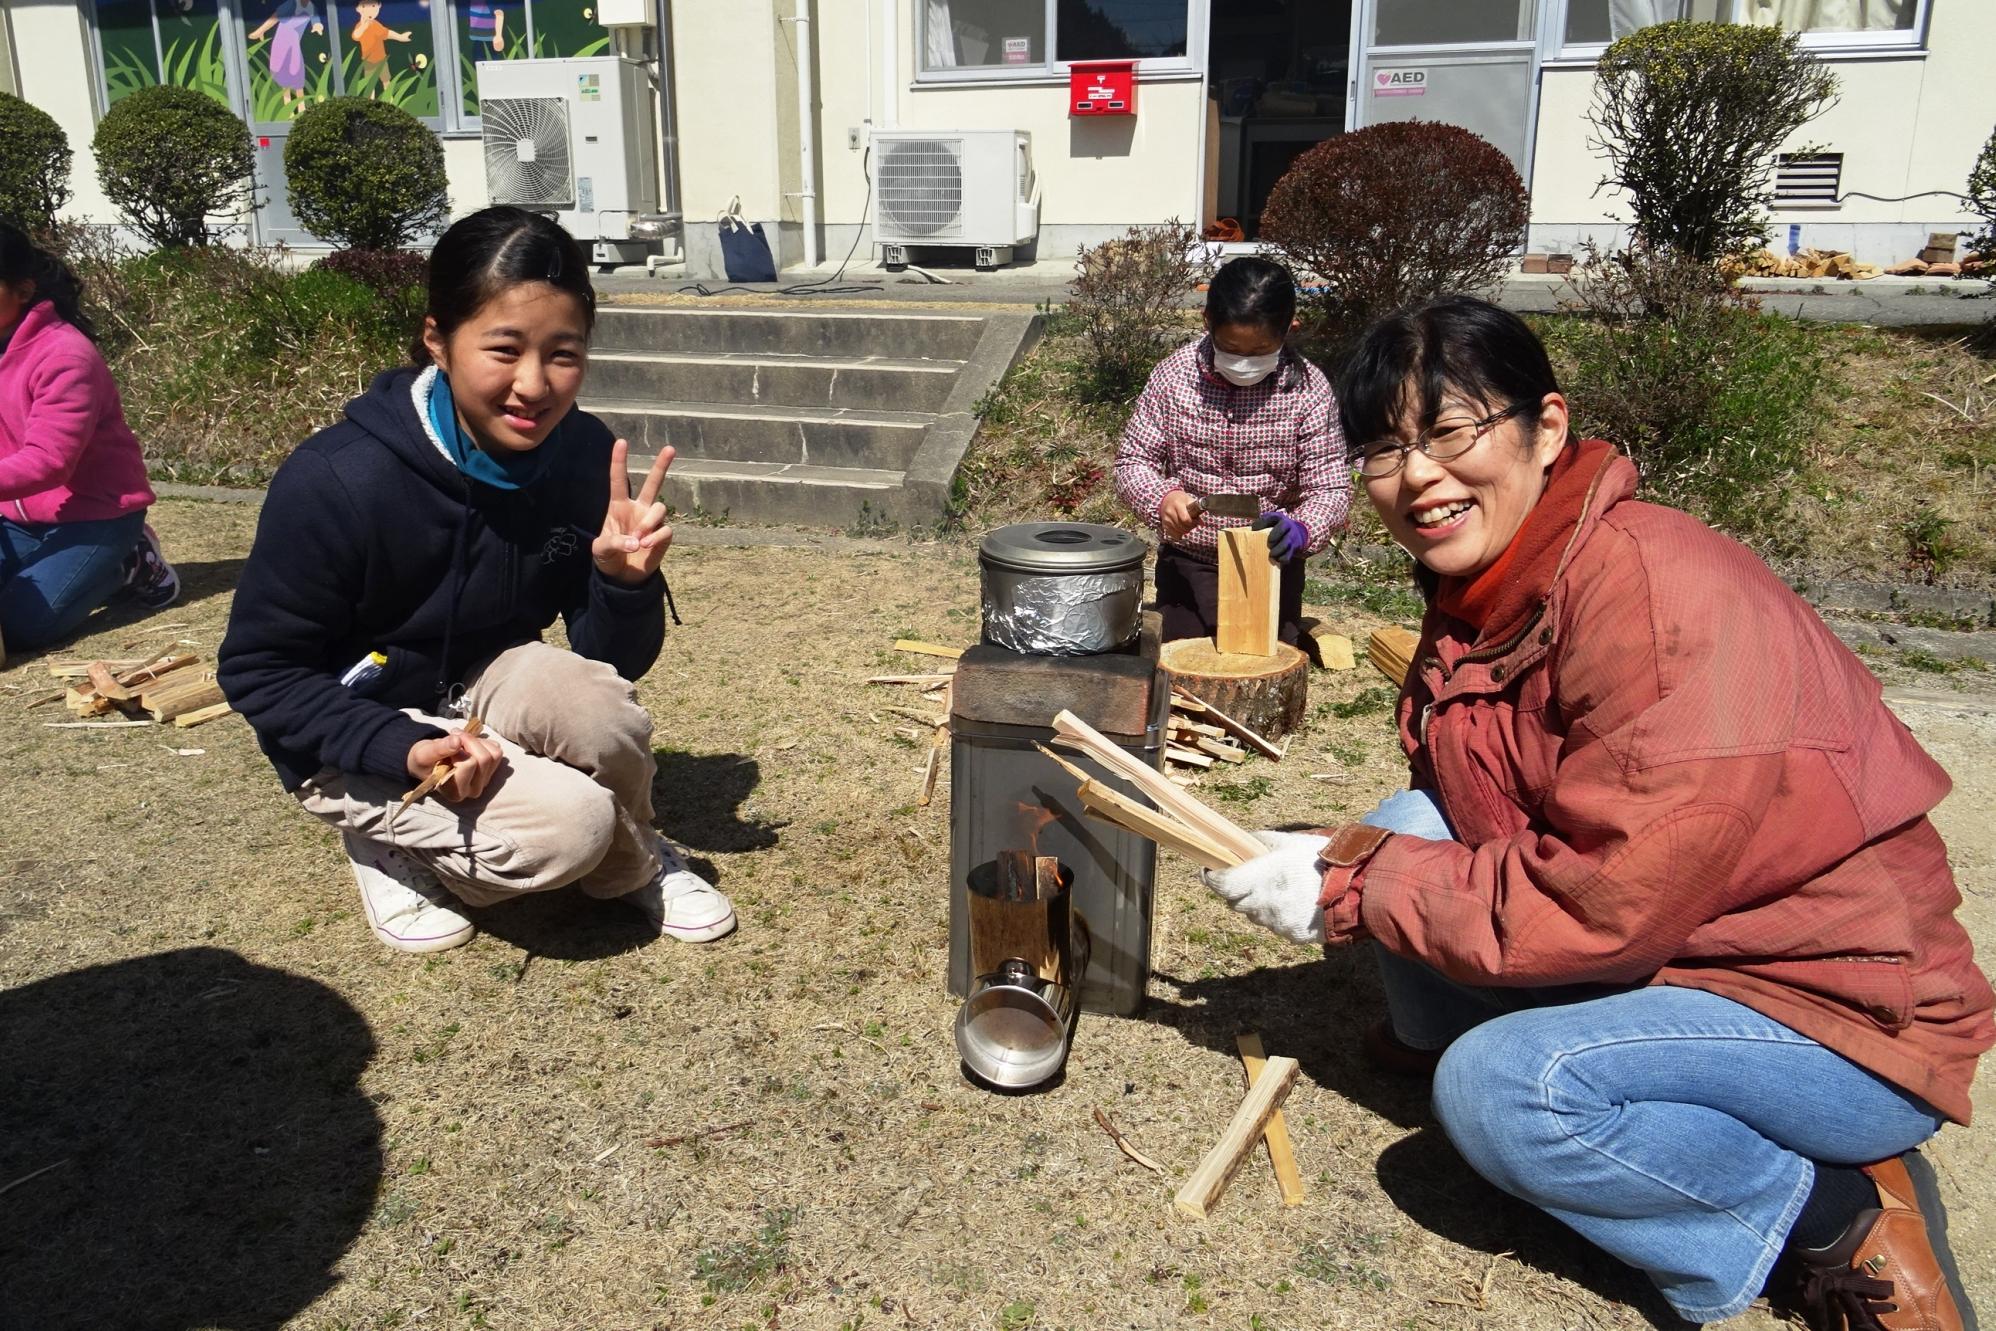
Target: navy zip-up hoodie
point(371, 540)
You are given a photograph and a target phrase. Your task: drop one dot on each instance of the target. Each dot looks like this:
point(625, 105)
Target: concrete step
point(794, 494)
point(779, 436)
point(877, 382)
point(804, 331)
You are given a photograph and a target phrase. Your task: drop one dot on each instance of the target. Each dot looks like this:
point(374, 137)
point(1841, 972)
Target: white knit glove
point(1279, 890)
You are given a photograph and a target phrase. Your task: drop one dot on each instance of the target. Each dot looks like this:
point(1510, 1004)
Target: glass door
point(1463, 62)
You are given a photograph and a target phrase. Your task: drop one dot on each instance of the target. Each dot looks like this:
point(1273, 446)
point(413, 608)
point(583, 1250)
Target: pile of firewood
point(1199, 735)
point(173, 688)
point(1940, 258)
point(1834, 264)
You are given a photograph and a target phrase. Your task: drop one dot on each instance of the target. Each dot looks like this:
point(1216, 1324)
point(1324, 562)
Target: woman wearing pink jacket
point(73, 491)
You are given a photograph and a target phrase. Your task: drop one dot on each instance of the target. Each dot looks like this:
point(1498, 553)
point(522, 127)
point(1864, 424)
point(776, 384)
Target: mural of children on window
point(487, 24)
point(371, 36)
point(287, 49)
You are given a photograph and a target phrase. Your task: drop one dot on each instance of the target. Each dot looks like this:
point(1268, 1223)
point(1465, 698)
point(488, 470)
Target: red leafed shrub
point(1389, 215)
point(387, 272)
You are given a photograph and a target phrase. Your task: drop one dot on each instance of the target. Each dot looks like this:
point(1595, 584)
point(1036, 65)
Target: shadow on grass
point(183, 1143)
point(565, 925)
point(1317, 1012)
point(698, 799)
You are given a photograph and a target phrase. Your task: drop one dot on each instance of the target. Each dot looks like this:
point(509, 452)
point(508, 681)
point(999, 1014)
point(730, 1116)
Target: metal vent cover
point(527, 160)
point(921, 187)
point(1809, 178)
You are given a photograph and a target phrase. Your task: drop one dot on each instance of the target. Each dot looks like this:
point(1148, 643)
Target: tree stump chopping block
point(1266, 694)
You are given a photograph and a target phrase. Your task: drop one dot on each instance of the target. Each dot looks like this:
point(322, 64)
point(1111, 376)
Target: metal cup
point(1013, 1029)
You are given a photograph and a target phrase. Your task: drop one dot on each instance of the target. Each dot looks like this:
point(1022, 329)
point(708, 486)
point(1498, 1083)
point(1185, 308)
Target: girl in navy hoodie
point(406, 563)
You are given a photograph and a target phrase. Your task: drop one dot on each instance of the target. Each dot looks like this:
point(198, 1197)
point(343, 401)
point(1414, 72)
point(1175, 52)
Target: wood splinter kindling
point(438, 775)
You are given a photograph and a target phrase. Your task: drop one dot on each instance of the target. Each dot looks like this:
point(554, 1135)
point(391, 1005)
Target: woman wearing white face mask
point(1235, 412)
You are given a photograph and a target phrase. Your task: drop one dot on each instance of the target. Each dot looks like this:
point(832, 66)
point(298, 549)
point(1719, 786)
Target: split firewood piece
point(92, 725)
point(106, 684)
point(85, 702)
point(1327, 648)
point(1185, 757)
point(81, 669)
point(933, 765)
point(1235, 728)
point(180, 696)
point(926, 681)
point(1198, 728)
point(1281, 1153)
point(929, 719)
point(1157, 787)
point(155, 670)
point(1098, 801)
point(1202, 1191)
point(438, 774)
point(200, 714)
point(1226, 753)
point(1190, 706)
point(1123, 1144)
point(1392, 650)
point(921, 648)
point(1250, 594)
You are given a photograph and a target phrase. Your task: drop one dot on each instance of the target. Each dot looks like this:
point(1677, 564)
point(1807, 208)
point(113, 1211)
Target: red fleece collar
point(1498, 599)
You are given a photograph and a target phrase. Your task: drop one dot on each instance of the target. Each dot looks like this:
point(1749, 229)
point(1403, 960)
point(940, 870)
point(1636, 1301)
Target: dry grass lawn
point(252, 1116)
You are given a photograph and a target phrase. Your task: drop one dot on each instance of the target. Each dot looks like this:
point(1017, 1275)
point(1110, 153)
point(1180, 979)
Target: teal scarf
point(501, 470)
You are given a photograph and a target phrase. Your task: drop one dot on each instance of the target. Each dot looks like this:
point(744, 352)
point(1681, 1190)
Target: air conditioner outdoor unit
point(972, 187)
point(573, 139)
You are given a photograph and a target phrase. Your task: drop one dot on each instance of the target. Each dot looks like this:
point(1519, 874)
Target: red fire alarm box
point(1102, 88)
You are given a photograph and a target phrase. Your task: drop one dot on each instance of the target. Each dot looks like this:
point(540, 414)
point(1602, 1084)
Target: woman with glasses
point(1663, 911)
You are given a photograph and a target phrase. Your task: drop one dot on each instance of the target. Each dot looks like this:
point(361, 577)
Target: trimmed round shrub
point(365, 174)
point(1982, 196)
point(1389, 215)
point(170, 159)
point(34, 166)
point(1690, 115)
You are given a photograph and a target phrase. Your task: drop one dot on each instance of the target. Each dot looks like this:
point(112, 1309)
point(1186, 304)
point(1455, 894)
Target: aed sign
point(1399, 82)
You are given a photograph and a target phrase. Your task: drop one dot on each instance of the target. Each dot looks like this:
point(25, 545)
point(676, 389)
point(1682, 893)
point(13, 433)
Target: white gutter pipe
point(807, 131)
point(890, 64)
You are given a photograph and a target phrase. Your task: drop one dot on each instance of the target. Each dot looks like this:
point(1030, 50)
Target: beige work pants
point(571, 804)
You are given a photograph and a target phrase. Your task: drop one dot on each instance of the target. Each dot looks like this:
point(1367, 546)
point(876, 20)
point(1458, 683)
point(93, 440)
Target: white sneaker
point(680, 903)
point(409, 909)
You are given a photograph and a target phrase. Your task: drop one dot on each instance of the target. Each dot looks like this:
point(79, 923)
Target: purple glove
point(1286, 536)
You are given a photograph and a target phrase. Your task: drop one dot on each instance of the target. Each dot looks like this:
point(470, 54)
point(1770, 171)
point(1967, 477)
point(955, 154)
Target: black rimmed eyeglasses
point(1442, 441)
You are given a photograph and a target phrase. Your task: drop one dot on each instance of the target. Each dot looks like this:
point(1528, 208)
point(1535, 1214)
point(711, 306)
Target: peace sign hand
point(634, 535)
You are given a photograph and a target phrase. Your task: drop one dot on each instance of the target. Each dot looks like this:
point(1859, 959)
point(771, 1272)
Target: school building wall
point(1906, 124)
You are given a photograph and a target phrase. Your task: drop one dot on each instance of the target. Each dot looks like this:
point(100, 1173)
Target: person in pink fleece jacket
point(73, 490)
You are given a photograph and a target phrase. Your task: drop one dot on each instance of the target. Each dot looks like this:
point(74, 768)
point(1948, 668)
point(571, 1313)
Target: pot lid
point(1063, 547)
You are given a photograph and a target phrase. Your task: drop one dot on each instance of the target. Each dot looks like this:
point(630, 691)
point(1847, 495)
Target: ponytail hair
point(21, 260)
point(491, 250)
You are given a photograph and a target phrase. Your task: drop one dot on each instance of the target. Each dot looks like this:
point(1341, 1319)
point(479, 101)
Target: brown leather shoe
point(1382, 1049)
point(1892, 1270)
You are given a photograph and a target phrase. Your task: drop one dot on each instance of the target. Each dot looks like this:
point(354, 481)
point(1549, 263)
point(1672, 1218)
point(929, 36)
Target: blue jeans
point(53, 574)
point(1671, 1127)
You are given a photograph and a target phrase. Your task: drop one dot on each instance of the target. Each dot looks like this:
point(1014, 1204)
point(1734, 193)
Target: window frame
point(1890, 42)
point(1052, 69)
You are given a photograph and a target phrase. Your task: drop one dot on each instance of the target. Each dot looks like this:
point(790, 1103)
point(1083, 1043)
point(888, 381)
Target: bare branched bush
point(1128, 299)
